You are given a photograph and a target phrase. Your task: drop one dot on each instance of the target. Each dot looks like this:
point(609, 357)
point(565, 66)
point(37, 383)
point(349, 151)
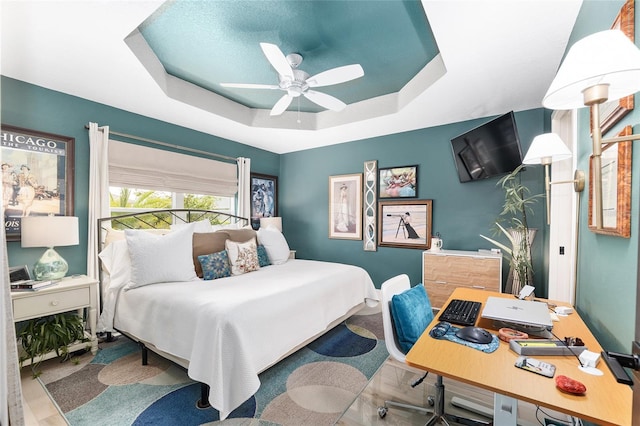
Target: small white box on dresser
point(445, 270)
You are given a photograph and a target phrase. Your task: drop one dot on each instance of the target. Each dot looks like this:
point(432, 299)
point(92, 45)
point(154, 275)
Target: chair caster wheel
point(431, 401)
point(382, 411)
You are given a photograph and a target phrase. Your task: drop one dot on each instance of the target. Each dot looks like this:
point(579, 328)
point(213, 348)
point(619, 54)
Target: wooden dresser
point(445, 270)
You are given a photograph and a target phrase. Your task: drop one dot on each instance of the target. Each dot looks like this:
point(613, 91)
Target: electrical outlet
point(554, 422)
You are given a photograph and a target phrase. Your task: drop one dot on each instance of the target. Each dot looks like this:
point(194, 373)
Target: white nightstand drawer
point(50, 303)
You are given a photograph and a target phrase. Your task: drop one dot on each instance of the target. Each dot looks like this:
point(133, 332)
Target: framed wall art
point(616, 188)
point(405, 224)
point(264, 196)
point(398, 182)
point(611, 112)
point(37, 176)
point(345, 206)
point(370, 205)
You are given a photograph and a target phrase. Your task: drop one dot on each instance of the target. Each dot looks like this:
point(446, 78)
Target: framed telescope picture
point(405, 224)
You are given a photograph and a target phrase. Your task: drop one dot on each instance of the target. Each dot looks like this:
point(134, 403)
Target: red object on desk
point(570, 385)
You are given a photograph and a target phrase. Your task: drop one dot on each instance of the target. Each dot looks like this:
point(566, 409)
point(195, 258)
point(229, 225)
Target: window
point(130, 200)
point(143, 178)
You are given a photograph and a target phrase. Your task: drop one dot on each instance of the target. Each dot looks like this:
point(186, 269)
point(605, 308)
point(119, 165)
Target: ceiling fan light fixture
point(297, 82)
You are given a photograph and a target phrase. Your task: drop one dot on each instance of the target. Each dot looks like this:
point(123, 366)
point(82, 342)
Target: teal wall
point(461, 211)
point(36, 108)
point(607, 266)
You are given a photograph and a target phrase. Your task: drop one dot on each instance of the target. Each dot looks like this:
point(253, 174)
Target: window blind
point(136, 166)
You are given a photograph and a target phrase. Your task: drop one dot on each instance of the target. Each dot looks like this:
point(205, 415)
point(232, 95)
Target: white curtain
point(244, 187)
point(137, 166)
point(98, 191)
point(10, 387)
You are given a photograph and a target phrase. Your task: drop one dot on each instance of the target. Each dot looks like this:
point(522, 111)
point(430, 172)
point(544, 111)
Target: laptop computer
point(516, 311)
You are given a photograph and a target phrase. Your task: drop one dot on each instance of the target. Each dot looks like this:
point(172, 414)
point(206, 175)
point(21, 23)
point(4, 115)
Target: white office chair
point(389, 288)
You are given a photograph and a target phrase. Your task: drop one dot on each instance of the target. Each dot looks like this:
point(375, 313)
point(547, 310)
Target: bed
point(228, 329)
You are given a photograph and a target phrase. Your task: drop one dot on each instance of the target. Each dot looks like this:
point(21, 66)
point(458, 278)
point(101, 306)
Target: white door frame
point(563, 229)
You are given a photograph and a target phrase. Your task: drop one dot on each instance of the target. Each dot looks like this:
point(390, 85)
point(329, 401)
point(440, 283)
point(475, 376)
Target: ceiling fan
point(298, 83)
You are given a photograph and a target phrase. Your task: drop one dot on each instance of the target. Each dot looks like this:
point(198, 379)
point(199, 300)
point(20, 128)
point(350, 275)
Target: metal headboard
point(159, 219)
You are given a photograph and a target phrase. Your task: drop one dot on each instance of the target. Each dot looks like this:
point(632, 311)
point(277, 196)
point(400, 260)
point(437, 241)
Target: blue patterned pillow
point(215, 265)
point(263, 258)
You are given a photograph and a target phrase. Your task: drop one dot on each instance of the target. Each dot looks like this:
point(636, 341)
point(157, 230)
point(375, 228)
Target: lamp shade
point(49, 231)
point(271, 221)
point(546, 148)
point(603, 58)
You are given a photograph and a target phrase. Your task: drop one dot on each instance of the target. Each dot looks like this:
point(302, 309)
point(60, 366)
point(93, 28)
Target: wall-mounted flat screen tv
point(491, 149)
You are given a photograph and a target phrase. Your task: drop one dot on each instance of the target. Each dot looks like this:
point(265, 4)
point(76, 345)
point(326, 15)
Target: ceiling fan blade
point(282, 104)
point(336, 75)
point(277, 59)
point(324, 100)
point(250, 86)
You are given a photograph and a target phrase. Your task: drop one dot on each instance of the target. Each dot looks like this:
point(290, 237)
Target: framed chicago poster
point(37, 176)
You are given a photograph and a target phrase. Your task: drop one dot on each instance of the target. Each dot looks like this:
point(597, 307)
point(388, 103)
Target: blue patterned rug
point(315, 385)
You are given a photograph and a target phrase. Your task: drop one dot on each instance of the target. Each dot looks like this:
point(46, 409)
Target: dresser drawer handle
point(54, 303)
point(441, 282)
point(481, 287)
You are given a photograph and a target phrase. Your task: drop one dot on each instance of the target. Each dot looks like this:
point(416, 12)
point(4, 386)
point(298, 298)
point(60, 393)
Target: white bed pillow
point(157, 259)
point(116, 263)
point(117, 234)
point(275, 244)
point(200, 226)
point(117, 274)
point(243, 257)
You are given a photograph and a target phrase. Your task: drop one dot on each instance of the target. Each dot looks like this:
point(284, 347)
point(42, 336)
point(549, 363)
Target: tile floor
point(39, 409)
point(392, 381)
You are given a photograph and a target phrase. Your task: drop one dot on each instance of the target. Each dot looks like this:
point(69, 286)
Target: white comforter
point(231, 329)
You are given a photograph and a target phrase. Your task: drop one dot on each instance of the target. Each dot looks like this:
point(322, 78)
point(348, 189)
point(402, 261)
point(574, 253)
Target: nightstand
point(71, 293)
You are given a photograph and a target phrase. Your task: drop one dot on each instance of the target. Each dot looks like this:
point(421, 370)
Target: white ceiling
point(500, 55)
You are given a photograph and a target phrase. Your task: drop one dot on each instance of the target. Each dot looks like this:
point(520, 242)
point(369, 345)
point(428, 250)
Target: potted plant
point(39, 336)
point(512, 223)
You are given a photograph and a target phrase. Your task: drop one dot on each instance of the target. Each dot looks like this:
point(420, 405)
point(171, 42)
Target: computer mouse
point(474, 335)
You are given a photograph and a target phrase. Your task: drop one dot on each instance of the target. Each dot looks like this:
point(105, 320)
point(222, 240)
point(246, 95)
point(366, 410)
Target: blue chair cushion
point(411, 313)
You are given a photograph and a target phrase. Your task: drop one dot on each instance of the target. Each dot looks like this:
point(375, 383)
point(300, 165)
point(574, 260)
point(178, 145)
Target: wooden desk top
point(605, 402)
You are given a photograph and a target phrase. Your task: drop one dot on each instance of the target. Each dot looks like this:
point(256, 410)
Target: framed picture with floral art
point(398, 182)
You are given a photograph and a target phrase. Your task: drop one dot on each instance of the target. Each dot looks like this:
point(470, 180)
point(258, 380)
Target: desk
point(606, 401)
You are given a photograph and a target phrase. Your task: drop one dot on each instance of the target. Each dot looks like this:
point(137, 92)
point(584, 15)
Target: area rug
point(313, 386)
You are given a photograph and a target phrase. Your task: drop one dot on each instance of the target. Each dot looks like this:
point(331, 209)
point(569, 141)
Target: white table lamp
point(276, 222)
point(49, 231)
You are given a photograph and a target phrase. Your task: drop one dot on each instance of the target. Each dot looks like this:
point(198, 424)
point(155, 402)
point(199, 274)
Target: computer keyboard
point(462, 312)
